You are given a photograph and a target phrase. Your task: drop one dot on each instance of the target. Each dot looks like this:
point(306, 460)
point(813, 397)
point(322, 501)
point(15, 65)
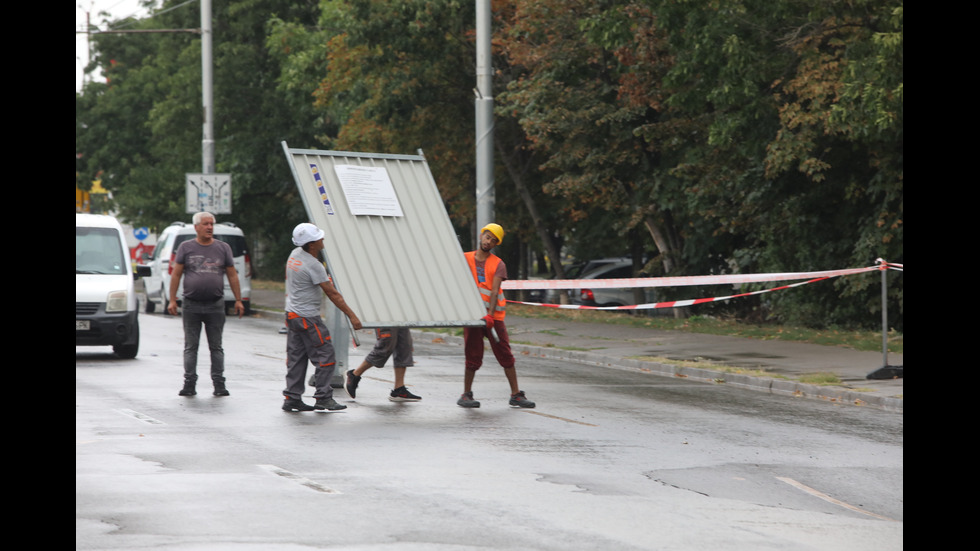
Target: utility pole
point(484, 117)
point(207, 89)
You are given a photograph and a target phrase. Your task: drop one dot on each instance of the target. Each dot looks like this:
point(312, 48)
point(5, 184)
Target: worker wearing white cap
point(308, 339)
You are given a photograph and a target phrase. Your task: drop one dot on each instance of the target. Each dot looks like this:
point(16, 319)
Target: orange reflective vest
point(486, 287)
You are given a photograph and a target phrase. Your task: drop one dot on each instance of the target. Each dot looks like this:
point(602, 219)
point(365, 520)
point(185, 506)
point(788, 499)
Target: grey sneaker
point(466, 400)
point(350, 383)
point(328, 404)
point(401, 394)
point(521, 401)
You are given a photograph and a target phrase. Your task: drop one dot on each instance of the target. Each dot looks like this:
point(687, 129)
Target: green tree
point(841, 127)
point(578, 105)
point(789, 165)
point(142, 129)
point(725, 136)
point(399, 77)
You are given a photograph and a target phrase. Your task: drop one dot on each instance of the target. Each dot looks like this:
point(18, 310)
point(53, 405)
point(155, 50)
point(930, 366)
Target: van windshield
point(180, 238)
point(236, 242)
point(98, 251)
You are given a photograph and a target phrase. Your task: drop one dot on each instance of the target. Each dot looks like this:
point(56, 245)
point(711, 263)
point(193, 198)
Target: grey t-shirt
point(304, 274)
point(205, 267)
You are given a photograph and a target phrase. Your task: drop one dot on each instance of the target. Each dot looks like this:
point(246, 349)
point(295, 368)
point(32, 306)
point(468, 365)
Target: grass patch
point(451, 331)
point(266, 285)
point(700, 364)
point(820, 379)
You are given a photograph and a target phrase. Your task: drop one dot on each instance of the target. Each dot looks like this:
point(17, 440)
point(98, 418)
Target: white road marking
point(299, 479)
point(826, 497)
point(561, 418)
point(140, 416)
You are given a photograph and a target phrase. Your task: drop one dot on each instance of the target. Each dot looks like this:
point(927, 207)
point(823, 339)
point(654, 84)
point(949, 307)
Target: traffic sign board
point(209, 192)
point(141, 233)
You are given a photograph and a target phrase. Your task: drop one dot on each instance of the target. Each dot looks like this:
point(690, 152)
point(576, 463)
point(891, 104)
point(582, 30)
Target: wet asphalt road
point(610, 459)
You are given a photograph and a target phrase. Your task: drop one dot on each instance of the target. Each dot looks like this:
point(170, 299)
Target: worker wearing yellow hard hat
point(496, 230)
point(489, 271)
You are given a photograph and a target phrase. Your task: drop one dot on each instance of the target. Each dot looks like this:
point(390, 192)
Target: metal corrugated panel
point(404, 270)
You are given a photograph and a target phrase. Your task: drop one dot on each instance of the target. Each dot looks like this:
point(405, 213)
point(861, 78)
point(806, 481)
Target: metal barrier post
point(885, 371)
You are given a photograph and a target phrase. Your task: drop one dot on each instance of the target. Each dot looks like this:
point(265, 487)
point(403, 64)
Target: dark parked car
point(609, 297)
point(572, 271)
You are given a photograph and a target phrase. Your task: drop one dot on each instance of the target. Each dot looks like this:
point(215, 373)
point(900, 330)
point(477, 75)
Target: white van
point(157, 285)
point(106, 307)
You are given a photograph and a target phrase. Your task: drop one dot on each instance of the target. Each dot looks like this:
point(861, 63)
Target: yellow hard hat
point(496, 230)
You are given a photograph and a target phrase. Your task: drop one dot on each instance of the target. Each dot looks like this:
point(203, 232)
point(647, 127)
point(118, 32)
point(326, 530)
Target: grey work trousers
point(308, 340)
point(211, 315)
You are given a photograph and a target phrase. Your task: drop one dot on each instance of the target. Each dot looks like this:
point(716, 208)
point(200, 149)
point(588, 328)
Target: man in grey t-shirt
point(307, 338)
point(204, 262)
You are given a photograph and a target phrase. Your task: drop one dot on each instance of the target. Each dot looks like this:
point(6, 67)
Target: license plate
point(82, 325)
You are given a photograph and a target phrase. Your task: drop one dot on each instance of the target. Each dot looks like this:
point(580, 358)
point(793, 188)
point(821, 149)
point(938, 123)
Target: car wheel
point(129, 351)
point(166, 305)
point(150, 306)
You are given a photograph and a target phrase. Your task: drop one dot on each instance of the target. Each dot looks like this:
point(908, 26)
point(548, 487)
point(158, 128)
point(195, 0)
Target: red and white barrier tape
point(883, 265)
point(681, 281)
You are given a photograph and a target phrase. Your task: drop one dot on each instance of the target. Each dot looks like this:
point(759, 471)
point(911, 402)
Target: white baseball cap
point(306, 233)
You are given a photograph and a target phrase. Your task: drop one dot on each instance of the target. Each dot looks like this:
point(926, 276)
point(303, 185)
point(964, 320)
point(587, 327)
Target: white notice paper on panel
point(368, 190)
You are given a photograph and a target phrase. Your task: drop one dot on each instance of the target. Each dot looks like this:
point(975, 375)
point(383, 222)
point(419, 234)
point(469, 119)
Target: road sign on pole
point(209, 192)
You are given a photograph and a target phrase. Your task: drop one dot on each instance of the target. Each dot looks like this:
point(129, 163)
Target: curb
point(760, 384)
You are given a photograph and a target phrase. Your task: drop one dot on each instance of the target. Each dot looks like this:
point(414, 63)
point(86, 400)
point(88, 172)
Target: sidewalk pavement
point(782, 363)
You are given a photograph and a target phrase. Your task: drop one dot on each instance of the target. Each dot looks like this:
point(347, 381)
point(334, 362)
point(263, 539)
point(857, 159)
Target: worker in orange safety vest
point(489, 271)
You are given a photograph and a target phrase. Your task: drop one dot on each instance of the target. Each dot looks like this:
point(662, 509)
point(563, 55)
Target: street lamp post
point(484, 117)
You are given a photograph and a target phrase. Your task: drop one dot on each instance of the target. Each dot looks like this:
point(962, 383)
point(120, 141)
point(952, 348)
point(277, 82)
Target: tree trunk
point(668, 244)
point(532, 209)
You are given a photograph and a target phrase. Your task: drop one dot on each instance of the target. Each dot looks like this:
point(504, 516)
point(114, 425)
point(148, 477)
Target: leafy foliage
point(141, 130)
point(717, 136)
point(580, 102)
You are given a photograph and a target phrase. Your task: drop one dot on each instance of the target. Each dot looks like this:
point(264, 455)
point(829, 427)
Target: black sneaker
point(293, 404)
point(350, 383)
point(220, 390)
point(466, 400)
point(521, 401)
point(188, 390)
point(401, 394)
point(328, 404)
